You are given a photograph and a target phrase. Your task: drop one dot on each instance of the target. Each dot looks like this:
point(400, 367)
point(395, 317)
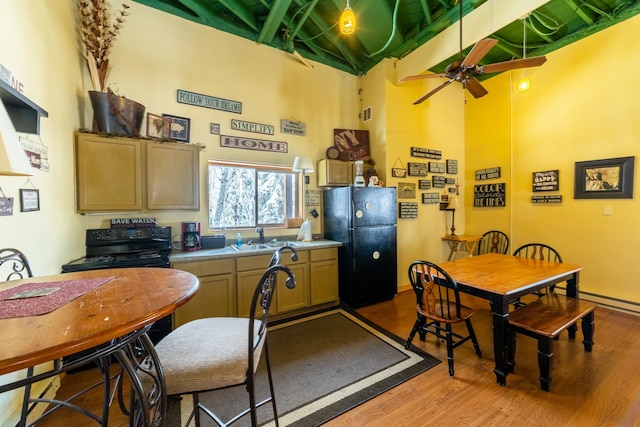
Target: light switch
point(607, 210)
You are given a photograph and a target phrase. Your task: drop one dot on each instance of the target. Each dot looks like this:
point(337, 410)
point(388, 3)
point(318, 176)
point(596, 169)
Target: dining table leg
point(500, 317)
point(572, 291)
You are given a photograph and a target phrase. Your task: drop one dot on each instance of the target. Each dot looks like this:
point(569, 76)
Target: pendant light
point(524, 84)
point(347, 20)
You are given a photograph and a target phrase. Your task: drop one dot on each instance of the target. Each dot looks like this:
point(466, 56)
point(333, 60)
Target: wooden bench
point(544, 319)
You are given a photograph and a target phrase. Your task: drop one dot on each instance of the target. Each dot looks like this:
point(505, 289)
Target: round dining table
point(100, 315)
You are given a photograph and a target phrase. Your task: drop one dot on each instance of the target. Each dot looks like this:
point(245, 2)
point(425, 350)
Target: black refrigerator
point(364, 220)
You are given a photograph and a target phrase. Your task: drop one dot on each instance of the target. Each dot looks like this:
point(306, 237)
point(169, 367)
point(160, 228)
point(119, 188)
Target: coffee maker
point(191, 236)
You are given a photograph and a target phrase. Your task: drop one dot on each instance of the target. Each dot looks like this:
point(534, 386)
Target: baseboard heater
point(619, 304)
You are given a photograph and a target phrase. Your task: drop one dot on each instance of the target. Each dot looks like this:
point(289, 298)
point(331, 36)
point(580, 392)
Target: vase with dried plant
point(112, 113)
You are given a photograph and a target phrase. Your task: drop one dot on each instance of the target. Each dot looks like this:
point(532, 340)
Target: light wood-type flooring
point(601, 388)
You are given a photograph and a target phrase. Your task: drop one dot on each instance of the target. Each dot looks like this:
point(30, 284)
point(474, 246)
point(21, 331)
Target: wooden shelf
point(24, 114)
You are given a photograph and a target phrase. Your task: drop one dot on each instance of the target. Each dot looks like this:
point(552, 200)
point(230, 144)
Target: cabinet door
point(246, 285)
point(296, 298)
point(215, 298)
point(108, 173)
point(324, 281)
point(173, 176)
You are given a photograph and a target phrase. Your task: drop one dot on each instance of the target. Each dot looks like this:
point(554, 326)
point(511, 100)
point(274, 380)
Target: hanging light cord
point(393, 31)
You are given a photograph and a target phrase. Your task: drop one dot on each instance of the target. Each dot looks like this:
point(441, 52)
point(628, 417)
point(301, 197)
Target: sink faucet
point(260, 232)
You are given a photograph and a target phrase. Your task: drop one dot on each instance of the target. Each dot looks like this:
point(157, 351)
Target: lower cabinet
point(216, 296)
point(251, 269)
point(227, 285)
point(324, 276)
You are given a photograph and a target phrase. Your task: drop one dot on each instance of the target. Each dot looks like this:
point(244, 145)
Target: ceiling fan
point(465, 70)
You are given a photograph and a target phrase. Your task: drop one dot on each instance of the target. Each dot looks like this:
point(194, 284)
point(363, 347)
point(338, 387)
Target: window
point(246, 195)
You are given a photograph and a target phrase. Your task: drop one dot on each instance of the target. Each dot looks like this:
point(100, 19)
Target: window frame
point(299, 190)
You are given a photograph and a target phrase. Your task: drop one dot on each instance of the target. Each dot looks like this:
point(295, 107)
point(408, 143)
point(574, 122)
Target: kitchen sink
point(278, 244)
point(252, 247)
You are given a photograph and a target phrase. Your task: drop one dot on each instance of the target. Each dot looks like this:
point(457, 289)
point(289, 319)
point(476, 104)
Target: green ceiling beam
point(241, 11)
point(426, 11)
point(274, 20)
point(199, 8)
point(304, 18)
point(581, 12)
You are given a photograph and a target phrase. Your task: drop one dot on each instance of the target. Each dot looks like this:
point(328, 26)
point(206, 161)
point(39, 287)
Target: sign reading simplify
point(206, 101)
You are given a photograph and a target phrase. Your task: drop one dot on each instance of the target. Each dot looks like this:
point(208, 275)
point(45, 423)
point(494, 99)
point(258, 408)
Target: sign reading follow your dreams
point(206, 101)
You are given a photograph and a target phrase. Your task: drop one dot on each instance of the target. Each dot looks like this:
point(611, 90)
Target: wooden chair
point(438, 302)
point(493, 241)
point(537, 251)
point(544, 319)
point(220, 352)
point(14, 264)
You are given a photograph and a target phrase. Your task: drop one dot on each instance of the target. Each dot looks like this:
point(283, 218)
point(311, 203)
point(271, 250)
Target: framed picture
point(180, 127)
point(158, 127)
point(406, 190)
point(29, 200)
point(604, 179)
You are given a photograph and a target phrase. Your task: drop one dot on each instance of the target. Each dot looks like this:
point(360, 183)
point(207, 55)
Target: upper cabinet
point(116, 174)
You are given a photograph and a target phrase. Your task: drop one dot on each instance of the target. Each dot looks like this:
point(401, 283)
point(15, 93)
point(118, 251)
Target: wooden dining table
point(502, 279)
point(108, 316)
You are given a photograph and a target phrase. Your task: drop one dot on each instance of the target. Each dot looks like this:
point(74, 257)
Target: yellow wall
point(583, 106)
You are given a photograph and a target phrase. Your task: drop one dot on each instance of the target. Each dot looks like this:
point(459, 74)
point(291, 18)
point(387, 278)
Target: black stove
point(124, 247)
point(127, 247)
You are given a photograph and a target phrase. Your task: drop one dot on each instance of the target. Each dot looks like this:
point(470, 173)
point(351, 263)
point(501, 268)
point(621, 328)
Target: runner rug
point(323, 365)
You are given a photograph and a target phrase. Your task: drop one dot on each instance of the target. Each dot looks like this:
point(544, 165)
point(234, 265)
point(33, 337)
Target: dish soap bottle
point(238, 240)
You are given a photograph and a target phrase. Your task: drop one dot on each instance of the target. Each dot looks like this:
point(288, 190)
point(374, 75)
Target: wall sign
point(488, 173)
point(424, 184)
point(430, 198)
point(252, 144)
point(252, 127)
point(436, 167)
point(489, 195)
point(408, 210)
point(546, 199)
point(6, 206)
point(417, 169)
point(38, 153)
point(199, 100)
point(426, 153)
point(406, 190)
point(292, 127)
point(452, 166)
point(352, 144)
point(438, 181)
point(546, 181)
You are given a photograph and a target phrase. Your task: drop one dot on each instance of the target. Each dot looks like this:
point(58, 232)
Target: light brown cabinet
point(216, 296)
point(334, 173)
point(323, 267)
point(124, 174)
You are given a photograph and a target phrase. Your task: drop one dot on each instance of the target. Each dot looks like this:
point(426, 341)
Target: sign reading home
point(292, 127)
point(252, 127)
point(252, 144)
point(489, 195)
point(206, 101)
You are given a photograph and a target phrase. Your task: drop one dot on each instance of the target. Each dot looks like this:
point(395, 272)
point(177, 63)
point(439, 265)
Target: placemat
point(21, 302)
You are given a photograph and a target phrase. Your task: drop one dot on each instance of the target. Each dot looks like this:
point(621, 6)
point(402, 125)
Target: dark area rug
point(323, 365)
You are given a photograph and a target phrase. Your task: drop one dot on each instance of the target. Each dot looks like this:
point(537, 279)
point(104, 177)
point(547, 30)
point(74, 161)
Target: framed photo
point(180, 127)
point(158, 127)
point(406, 190)
point(604, 179)
point(29, 200)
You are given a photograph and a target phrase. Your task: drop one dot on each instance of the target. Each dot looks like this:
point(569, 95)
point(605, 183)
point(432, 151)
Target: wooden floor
point(601, 388)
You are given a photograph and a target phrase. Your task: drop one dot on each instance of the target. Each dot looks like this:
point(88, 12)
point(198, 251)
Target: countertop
point(228, 252)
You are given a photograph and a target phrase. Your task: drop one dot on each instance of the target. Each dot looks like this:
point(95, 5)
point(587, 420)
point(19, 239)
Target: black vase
point(115, 114)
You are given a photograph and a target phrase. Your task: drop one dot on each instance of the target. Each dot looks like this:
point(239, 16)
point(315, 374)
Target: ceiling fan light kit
point(347, 20)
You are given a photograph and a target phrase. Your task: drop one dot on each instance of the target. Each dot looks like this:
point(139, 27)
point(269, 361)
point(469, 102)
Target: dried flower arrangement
point(98, 35)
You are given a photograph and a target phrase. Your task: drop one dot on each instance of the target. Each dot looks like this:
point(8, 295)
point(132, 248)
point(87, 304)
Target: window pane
point(231, 197)
point(271, 198)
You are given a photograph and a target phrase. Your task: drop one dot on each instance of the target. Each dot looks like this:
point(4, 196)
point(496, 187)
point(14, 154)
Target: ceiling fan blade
point(442, 86)
point(514, 64)
point(479, 50)
point(475, 88)
point(421, 77)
